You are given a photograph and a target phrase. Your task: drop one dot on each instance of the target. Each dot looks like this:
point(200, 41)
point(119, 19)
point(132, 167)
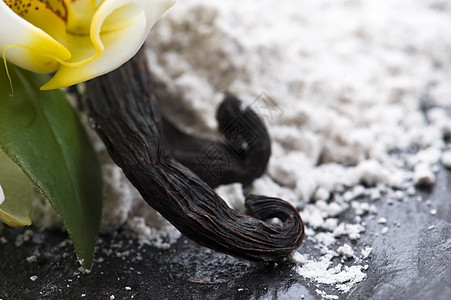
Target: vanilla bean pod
point(241, 157)
point(126, 117)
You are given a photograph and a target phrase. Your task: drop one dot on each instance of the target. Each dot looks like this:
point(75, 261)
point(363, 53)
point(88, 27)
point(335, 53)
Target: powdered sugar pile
point(342, 87)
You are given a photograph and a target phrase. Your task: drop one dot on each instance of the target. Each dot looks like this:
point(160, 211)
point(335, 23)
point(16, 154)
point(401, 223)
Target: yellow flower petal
point(79, 15)
point(15, 221)
point(50, 17)
point(118, 30)
point(15, 194)
point(26, 45)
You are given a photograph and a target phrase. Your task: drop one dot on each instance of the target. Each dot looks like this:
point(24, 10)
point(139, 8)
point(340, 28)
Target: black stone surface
point(411, 261)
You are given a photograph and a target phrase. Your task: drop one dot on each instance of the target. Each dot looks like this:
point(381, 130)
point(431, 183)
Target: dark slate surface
point(410, 261)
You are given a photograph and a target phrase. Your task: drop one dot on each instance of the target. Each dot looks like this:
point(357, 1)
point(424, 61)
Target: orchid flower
point(75, 39)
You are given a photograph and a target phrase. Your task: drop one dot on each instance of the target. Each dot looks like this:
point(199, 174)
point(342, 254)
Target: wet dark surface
point(411, 261)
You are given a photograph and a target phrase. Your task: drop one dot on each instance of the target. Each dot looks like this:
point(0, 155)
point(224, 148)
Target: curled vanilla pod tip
point(165, 165)
point(241, 156)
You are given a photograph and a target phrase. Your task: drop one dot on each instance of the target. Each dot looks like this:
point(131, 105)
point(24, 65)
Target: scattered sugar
point(321, 194)
point(330, 224)
point(162, 237)
point(373, 209)
point(360, 208)
point(346, 251)
point(332, 209)
point(324, 295)
point(423, 175)
point(325, 238)
point(339, 116)
point(366, 252)
point(31, 259)
point(322, 271)
point(446, 158)
point(382, 220)
point(351, 230)
point(297, 257)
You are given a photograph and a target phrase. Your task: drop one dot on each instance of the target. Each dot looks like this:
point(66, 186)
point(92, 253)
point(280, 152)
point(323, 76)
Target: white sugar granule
point(330, 224)
point(351, 230)
point(446, 159)
point(382, 220)
point(297, 257)
point(366, 252)
point(321, 194)
point(325, 238)
point(31, 259)
point(346, 251)
point(360, 208)
point(324, 295)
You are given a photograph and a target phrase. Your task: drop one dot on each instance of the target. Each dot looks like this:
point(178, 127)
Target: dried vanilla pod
point(126, 117)
point(242, 156)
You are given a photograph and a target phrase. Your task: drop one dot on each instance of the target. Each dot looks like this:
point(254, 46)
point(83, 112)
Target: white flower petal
point(119, 28)
point(2, 195)
point(26, 45)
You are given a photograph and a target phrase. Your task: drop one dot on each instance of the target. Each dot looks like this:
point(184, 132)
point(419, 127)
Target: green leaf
point(15, 211)
point(41, 133)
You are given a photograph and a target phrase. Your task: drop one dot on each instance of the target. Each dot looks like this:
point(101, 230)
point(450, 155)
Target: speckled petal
point(118, 30)
point(28, 46)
